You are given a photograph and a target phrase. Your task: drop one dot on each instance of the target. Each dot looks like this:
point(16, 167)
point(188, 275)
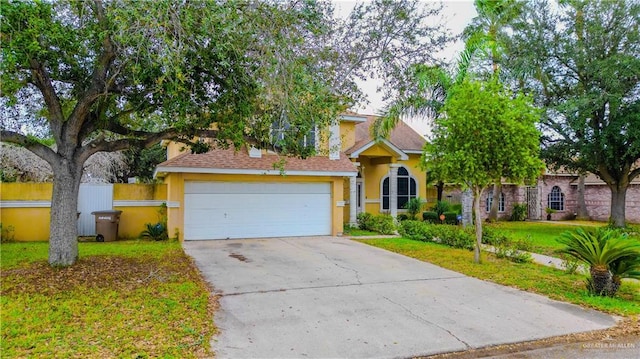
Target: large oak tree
point(584, 68)
point(103, 76)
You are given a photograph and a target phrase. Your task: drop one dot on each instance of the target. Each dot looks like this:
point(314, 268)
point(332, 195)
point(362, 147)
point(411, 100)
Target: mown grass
point(122, 299)
point(356, 232)
point(530, 277)
point(20, 253)
point(543, 235)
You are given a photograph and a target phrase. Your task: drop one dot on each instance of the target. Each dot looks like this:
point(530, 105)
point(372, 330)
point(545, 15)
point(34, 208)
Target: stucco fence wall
point(25, 208)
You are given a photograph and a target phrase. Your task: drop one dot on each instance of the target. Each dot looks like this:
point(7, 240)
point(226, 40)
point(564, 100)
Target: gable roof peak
point(402, 137)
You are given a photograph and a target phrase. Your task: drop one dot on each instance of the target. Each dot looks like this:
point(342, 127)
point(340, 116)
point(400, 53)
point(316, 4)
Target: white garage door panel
point(256, 187)
point(218, 210)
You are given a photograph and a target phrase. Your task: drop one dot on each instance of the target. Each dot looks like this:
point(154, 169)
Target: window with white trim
point(555, 199)
point(280, 129)
point(407, 189)
point(490, 202)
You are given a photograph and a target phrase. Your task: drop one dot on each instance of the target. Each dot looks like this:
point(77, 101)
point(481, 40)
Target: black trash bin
point(107, 225)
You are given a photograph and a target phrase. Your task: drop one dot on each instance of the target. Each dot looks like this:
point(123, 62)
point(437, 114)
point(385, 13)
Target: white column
point(393, 189)
point(353, 201)
point(335, 142)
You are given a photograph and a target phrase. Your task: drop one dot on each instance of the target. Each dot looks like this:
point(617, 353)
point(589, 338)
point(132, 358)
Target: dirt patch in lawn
point(108, 306)
point(116, 273)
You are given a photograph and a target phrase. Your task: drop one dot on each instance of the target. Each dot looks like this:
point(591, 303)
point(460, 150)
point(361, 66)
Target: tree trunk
point(440, 189)
point(495, 202)
point(601, 280)
point(618, 204)
point(63, 240)
point(477, 193)
point(581, 213)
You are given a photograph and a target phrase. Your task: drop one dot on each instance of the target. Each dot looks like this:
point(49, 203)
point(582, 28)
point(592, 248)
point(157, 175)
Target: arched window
point(407, 189)
point(556, 199)
point(490, 201)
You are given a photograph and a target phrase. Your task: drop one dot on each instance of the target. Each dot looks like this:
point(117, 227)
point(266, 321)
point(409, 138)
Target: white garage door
point(221, 210)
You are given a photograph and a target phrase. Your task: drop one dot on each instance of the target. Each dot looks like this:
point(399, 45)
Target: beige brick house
point(559, 191)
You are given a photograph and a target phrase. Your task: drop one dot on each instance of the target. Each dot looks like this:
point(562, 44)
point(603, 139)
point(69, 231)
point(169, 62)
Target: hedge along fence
point(25, 208)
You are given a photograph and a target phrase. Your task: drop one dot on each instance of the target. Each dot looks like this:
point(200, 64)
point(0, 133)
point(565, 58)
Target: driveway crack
point(336, 286)
point(428, 322)
point(357, 274)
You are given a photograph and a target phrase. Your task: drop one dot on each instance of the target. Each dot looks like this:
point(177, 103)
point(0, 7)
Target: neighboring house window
point(556, 199)
point(280, 129)
point(407, 189)
point(490, 202)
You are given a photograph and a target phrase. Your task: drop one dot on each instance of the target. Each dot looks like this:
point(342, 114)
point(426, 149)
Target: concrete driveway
point(326, 297)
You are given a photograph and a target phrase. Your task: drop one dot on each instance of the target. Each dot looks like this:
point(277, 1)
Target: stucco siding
point(26, 208)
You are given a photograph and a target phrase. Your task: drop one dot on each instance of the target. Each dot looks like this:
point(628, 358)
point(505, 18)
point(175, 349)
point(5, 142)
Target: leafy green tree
point(477, 116)
point(103, 71)
point(584, 68)
point(106, 76)
point(142, 162)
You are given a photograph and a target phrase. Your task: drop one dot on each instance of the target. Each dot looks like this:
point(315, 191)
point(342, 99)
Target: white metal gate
point(92, 197)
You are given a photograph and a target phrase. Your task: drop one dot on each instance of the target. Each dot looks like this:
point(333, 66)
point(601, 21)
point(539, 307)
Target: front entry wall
point(255, 205)
point(371, 178)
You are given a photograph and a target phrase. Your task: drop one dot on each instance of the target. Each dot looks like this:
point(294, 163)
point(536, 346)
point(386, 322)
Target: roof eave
point(163, 171)
point(353, 118)
point(400, 154)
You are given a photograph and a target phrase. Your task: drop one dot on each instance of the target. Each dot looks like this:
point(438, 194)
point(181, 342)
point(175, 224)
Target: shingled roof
point(230, 161)
point(402, 137)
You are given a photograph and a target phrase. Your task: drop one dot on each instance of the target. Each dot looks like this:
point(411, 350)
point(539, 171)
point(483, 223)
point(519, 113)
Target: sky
point(456, 16)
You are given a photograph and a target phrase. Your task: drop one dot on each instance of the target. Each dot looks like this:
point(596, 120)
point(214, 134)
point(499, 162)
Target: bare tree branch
point(42, 81)
point(39, 149)
point(98, 85)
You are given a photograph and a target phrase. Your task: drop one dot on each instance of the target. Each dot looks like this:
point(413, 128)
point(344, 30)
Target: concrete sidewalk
point(332, 297)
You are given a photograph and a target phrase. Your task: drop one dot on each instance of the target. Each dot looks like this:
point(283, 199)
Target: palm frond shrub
point(605, 251)
point(625, 267)
point(157, 231)
point(440, 207)
point(413, 207)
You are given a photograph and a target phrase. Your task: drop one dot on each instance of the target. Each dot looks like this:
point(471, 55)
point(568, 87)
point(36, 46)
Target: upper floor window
point(407, 189)
point(490, 202)
point(282, 129)
point(556, 199)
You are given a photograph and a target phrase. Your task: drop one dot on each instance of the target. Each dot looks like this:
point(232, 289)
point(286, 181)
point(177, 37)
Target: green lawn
point(355, 232)
point(542, 235)
point(132, 299)
point(540, 279)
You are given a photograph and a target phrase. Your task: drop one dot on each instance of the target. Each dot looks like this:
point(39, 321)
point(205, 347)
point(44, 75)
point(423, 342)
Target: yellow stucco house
point(226, 193)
